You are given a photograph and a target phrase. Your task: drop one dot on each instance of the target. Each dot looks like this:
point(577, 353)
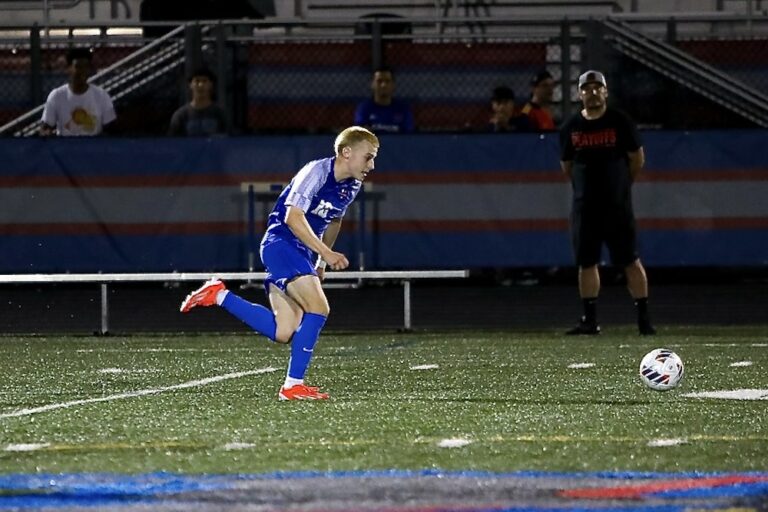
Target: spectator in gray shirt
point(201, 117)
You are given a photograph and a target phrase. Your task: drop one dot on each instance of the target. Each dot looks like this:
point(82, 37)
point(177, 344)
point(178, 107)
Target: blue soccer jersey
point(316, 192)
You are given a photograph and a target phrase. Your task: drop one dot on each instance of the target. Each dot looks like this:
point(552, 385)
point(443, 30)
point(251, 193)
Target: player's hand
point(320, 273)
point(336, 260)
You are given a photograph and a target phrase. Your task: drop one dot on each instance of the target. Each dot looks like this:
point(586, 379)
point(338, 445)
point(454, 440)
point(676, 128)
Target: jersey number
point(323, 209)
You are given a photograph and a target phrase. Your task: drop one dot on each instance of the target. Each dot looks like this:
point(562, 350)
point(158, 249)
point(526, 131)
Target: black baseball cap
point(540, 77)
point(592, 76)
point(201, 71)
point(503, 93)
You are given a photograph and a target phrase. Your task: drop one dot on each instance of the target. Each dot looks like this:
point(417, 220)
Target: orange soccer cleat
point(301, 392)
point(203, 296)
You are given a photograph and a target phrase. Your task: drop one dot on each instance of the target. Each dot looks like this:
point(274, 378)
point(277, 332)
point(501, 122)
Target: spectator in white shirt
point(77, 108)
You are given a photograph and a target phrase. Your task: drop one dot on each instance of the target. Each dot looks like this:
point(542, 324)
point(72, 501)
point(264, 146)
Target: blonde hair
point(352, 135)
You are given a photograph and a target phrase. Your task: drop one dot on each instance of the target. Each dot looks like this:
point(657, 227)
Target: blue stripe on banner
point(415, 250)
point(23, 491)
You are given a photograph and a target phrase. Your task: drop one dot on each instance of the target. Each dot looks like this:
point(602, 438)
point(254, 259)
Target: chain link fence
point(292, 83)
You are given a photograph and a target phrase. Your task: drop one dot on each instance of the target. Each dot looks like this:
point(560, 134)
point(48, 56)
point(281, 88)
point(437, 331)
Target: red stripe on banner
point(383, 177)
point(694, 175)
point(136, 229)
point(637, 491)
point(474, 226)
point(406, 54)
point(750, 53)
point(345, 55)
point(139, 229)
point(299, 115)
point(141, 181)
point(452, 178)
point(506, 225)
point(387, 226)
point(695, 224)
point(448, 177)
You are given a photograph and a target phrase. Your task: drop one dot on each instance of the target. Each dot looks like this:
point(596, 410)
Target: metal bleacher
point(635, 28)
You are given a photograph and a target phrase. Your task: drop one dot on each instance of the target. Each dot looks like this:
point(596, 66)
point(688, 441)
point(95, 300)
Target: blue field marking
point(94, 490)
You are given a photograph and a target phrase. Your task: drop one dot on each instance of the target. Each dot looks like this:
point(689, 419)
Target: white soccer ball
point(661, 369)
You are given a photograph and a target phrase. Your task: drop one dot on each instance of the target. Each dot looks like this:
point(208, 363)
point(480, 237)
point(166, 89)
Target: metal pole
point(104, 310)
point(251, 229)
point(671, 31)
point(407, 305)
point(565, 68)
point(361, 230)
point(377, 47)
point(35, 63)
point(221, 72)
point(46, 17)
point(193, 55)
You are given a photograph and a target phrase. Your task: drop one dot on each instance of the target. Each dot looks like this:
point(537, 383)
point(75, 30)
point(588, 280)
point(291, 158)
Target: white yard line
point(133, 394)
point(238, 446)
point(425, 367)
point(26, 447)
point(456, 442)
point(666, 442)
point(735, 394)
point(579, 366)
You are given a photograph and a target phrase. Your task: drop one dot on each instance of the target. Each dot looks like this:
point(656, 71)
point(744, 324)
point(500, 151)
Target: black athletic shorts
point(614, 228)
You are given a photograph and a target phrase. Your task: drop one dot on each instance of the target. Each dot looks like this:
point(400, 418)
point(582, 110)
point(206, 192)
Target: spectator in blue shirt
point(382, 112)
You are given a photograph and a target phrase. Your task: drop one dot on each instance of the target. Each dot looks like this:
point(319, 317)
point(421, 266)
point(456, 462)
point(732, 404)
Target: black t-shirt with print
point(598, 149)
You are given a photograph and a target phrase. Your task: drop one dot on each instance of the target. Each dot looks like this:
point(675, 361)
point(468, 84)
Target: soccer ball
point(661, 369)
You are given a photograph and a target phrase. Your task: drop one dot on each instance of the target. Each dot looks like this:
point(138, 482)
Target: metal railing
point(691, 72)
point(120, 78)
point(238, 46)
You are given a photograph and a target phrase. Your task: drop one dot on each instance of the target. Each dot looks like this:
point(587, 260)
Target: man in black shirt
point(602, 156)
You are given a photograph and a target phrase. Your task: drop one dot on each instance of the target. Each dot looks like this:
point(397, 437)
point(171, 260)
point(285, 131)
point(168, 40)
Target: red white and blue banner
point(449, 201)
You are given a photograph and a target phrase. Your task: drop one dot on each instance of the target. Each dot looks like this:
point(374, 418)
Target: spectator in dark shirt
point(504, 118)
point(538, 107)
point(201, 117)
point(382, 112)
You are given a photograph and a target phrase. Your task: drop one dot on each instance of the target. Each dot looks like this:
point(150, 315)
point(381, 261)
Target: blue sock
point(303, 344)
point(256, 316)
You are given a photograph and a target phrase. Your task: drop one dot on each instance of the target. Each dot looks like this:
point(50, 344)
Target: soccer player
point(295, 250)
point(602, 156)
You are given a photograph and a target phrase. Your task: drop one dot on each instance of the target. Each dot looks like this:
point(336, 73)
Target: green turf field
point(510, 395)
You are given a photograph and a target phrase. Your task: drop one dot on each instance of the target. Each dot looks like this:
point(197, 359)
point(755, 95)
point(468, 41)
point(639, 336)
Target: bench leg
point(407, 325)
point(104, 310)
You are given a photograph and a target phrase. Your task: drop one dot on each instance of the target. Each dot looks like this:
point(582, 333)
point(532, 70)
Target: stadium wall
point(451, 201)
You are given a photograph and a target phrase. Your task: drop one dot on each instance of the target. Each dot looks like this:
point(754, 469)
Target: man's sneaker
point(203, 296)
point(301, 392)
point(646, 329)
point(584, 328)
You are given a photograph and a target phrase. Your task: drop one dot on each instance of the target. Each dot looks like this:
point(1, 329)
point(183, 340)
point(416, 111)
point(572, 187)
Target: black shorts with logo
point(615, 228)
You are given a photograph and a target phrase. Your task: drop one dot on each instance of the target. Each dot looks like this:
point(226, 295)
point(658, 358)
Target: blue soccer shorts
point(284, 262)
